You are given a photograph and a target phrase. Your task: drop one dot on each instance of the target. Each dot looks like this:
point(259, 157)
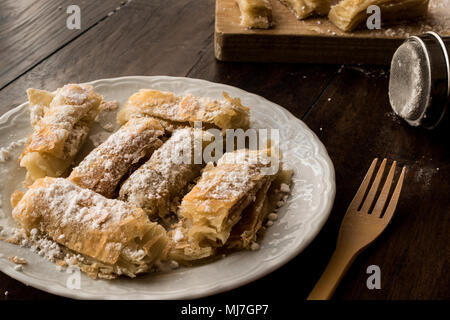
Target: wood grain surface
point(346, 106)
point(30, 31)
point(314, 39)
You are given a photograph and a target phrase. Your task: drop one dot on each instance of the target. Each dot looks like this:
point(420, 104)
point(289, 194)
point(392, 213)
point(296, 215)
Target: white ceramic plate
point(299, 221)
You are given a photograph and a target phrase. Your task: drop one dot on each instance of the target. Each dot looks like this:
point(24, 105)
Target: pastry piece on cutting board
point(305, 8)
point(255, 14)
point(348, 15)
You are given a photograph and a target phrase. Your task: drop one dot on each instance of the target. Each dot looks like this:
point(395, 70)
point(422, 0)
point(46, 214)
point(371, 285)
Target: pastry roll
point(185, 110)
point(103, 168)
point(158, 185)
point(304, 8)
point(112, 236)
point(60, 128)
point(244, 233)
point(347, 15)
point(255, 13)
point(216, 203)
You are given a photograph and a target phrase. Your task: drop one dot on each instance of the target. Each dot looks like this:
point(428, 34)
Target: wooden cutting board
point(316, 40)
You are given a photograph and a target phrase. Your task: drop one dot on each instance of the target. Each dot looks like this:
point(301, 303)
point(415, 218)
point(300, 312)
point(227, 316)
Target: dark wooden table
point(346, 106)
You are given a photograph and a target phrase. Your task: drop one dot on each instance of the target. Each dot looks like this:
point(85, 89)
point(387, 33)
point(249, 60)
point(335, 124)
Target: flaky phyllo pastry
point(112, 236)
point(178, 111)
point(144, 199)
point(106, 165)
point(304, 8)
point(219, 201)
point(61, 123)
point(255, 13)
point(347, 15)
point(267, 200)
point(158, 185)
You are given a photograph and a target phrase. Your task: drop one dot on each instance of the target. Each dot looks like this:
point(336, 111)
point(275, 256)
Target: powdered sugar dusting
point(67, 119)
point(63, 203)
point(167, 172)
point(235, 175)
point(224, 113)
point(102, 169)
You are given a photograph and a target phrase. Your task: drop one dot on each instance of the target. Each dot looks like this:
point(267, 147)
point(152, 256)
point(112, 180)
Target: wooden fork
point(359, 227)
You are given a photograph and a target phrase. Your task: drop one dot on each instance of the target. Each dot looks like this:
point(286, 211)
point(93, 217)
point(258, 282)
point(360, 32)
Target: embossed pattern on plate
point(299, 220)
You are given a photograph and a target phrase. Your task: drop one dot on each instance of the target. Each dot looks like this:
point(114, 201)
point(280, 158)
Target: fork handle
point(333, 274)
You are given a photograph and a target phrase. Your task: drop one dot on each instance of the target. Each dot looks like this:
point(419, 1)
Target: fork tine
point(378, 209)
point(363, 187)
point(374, 188)
point(394, 200)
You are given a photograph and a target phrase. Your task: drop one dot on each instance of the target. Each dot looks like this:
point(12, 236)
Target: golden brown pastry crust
point(112, 232)
point(106, 165)
point(215, 204)
point(59, 129)
point(348, 15)
point(255, 14)
point(186, 110)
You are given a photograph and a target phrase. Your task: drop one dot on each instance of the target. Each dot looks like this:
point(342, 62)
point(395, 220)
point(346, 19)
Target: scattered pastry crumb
point(285, 188)
point(59, 268)
point(280, 204)
point(254, 246)
point(269, 223)
point(5, 152)
point(272, 216)
point(4, 155)
point(174, 264)
point(6, 293)
point(17, 260)
point(18, 267)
